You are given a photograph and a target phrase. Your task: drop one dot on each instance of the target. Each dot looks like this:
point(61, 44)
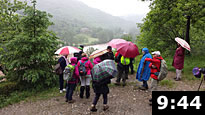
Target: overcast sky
point(119, 7)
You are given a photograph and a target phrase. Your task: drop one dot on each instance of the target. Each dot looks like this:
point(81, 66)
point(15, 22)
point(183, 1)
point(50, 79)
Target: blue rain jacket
point(147, 70)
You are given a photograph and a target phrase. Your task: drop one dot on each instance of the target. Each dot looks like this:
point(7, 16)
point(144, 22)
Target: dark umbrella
point(103, 70)
point(197, 73)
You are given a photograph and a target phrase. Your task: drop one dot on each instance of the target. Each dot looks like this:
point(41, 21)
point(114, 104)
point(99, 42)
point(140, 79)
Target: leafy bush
point(29, 54)
point(7, 87)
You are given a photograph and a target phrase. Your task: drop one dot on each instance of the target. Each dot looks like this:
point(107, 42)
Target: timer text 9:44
point(163, 102)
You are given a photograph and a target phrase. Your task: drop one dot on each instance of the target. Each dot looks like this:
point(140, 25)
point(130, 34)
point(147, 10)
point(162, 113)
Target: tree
point(9, 25)
point(30, 54)
point(169, 19)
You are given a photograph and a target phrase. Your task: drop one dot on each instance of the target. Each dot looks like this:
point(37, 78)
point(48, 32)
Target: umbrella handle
point(201, 82)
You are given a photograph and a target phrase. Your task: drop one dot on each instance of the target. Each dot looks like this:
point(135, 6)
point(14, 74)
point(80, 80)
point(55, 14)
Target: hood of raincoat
point(73, 60)
point(146, 50)
point(84, 58)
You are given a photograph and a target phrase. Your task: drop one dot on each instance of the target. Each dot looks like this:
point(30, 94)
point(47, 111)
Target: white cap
point(156, 53)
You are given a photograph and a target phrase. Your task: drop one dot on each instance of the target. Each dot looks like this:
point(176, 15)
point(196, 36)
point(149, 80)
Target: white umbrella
point(183, 43)
point(67, 50)
point(98, 53)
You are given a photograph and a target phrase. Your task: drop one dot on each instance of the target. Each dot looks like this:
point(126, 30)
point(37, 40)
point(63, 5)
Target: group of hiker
point(149, 66)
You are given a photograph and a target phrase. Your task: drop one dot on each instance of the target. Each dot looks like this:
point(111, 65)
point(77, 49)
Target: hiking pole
point(201, 82)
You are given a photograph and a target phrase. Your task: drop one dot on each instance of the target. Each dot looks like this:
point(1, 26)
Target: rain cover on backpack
point(68, 72)
point(163, 70)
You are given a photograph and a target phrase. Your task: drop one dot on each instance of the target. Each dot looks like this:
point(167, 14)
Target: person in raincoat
point(108, 55)
point(63, 63)
point(85, 80)
point(155, 69)
point(143, 71)
point(97, 60)
point(73, 82)
point(100, 88)
point(178, 61)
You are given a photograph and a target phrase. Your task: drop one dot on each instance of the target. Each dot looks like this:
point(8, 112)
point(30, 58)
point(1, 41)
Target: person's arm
point(148, 59)
point(76, 71)
point(202, 70)
point(152, 60)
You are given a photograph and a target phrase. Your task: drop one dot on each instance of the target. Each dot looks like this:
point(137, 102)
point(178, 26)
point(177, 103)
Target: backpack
point(58, 70)
point(82, 69)
point(68, 72)
point(163, 70)
point(125, 61)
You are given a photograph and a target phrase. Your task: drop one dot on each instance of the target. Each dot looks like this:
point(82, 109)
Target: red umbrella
point(128, 49)
point(114, 42)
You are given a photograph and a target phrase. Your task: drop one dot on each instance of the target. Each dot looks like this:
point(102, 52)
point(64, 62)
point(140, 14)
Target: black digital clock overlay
point(178, 102)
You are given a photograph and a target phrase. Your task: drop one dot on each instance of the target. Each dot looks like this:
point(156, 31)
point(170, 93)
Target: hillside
point(72, 17)
point(75, 10)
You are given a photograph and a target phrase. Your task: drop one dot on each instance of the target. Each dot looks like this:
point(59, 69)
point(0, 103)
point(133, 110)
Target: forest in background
point(75, 23)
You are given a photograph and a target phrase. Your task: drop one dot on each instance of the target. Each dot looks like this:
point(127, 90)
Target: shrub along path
point(122, 100)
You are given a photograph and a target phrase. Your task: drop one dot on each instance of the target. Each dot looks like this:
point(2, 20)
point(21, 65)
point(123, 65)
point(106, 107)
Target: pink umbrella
point(183, 43)
point(127, 49)
point(67, 50)
point(114, 42)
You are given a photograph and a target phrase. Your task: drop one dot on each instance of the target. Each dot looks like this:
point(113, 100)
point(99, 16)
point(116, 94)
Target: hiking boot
point(87, 92)
point(150, 103)
point(105, 107)
point(71, 101)
point(178, 79)
point(143, 88)
point(82, 88)
point(93, 108)
point(150, 100)
point(66, 100)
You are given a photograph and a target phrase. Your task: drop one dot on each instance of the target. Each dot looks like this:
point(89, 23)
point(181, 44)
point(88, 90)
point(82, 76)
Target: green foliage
point(168, 83)
point(28, 95)
point(7, 87)
point(29, 55)
point(189, 63)
point(168, 19)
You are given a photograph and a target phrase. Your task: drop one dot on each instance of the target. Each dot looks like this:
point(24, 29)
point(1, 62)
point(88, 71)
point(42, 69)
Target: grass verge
point(33, 95)
point(167, 83)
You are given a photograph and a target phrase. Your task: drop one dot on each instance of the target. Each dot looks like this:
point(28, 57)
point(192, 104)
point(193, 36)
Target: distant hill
point(66, 10)
point(76, 23)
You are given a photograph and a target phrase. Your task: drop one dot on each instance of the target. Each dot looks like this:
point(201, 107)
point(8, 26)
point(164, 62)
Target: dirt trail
point(122, 101)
